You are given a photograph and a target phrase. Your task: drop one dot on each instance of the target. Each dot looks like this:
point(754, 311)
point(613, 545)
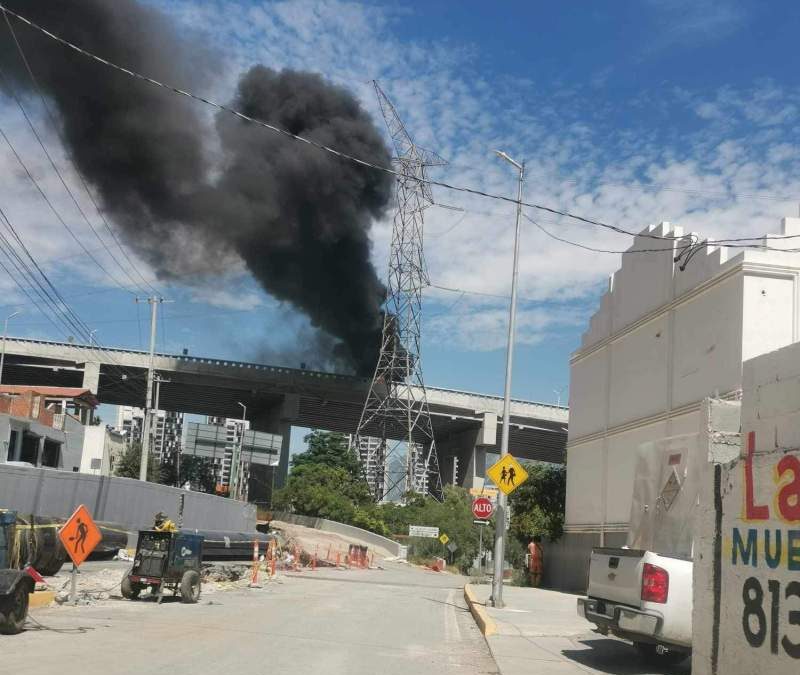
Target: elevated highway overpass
point(466, 425)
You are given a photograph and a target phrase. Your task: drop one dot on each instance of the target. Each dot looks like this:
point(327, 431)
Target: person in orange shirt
point(535, 561)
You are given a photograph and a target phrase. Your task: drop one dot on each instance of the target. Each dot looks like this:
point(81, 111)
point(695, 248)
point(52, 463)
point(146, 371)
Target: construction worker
point(536, 561)
point(163, 524)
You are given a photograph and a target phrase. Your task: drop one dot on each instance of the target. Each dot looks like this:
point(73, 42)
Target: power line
point(50, 296)
point(693, 239)
point(602, 250)
point(58, 131)
point(72, 296)
point(173, 317)
point(63, 183)
point(729, 243)
point(308, 141)
point(53, 208)
point(463, 291)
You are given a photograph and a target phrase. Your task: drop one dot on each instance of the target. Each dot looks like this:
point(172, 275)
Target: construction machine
point(16, 585)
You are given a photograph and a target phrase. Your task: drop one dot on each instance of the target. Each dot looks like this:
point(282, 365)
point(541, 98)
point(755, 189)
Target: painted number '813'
point(755, 622)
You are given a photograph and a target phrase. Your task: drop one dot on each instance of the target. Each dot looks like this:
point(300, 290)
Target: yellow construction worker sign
point(507, 474)
point(444, 538)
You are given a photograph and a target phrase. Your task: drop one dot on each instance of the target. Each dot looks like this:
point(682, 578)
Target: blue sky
point(627, 112)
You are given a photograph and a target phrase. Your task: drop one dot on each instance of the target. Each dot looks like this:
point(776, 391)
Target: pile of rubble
point(92, 586)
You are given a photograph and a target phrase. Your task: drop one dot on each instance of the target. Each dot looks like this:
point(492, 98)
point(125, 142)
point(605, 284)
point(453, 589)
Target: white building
point(167, 430)
point(663, 339)
point(102, 448)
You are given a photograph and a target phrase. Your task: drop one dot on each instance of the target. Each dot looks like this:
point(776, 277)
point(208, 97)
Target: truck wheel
point(14, 610)
point(665, 656)
point(130, 590)
point(190, 587)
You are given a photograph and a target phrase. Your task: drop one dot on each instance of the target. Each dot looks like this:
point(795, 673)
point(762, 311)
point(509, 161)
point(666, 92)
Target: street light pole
point(5, 334)
point(236, 455)
point(496, 598)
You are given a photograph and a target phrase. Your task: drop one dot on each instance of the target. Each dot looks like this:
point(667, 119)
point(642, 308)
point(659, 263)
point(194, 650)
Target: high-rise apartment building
point(167, 430)
point(233, 429)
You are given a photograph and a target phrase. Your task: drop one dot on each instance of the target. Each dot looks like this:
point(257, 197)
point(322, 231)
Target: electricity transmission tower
point(396, 414)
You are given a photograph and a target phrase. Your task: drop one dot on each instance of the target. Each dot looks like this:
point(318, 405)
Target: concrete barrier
point(121, 500)
point(340, 528)
point(746, 615)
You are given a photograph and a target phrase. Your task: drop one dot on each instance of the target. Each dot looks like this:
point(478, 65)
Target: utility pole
point(5, 334)
point(236, 455)
point(154, 301)
point(496, 598)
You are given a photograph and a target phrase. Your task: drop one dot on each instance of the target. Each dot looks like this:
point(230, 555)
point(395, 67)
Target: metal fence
point(121, 500)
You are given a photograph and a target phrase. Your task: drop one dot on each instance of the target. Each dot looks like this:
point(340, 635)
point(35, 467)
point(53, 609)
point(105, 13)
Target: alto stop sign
point(482, 508)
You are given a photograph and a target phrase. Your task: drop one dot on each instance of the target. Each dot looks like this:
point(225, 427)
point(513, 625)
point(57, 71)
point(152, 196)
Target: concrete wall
point(122, 500)
point(566, 562)
point(340, 528)
point(746, 616)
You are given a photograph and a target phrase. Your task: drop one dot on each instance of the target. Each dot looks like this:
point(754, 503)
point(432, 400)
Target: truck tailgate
point(615, 574)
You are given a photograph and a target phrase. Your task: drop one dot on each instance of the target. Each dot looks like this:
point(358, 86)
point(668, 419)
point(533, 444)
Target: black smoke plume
point(190, 195)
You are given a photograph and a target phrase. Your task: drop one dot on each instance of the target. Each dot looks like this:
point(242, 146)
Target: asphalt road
point(400, 620)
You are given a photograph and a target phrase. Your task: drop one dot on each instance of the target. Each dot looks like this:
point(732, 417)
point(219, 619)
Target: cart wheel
point(14, 610)
point(130, 590)
point(190, 587)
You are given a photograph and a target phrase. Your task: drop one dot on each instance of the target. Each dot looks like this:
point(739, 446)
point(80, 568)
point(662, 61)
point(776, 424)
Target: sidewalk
point(539, 633)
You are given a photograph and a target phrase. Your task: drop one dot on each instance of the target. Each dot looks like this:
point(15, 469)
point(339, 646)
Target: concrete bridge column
point(459, 456)
point(462, 455)
point(91, 376)
point(278, 420)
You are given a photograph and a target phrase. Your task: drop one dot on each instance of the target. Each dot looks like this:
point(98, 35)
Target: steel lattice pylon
point(396, 410)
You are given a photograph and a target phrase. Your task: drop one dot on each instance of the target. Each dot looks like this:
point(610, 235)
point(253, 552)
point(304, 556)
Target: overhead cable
point(344, 155)
point(52, 207)
point(57, 309)
point(57, 127)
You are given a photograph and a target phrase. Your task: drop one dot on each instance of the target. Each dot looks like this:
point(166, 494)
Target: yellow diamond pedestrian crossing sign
point(507, 474)
point(444, 538)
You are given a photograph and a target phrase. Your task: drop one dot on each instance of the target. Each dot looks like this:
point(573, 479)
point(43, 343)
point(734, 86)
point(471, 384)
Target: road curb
point(41, 599)
point(485, 623)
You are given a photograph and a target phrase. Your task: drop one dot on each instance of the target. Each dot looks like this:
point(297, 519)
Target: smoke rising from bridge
point(194, 195)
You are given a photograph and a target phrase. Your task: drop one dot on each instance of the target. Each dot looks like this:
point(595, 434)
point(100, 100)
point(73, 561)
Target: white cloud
point(696, 21)
point(227, 298)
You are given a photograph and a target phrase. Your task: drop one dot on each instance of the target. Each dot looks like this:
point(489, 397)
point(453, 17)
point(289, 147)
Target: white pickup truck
point(643, 597)
point(643, 591)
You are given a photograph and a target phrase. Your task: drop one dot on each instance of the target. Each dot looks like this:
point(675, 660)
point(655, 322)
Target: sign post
point(80, 536)
point(482, 508)
point(423, 531)
point(507, 474)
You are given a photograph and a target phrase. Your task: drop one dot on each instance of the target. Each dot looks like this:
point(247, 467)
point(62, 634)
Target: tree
point(453, 516)
point(326, 482)
point(199, 471)
point(328, 449)
point(331, 492)
point(537, 506)
point(128, 465)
